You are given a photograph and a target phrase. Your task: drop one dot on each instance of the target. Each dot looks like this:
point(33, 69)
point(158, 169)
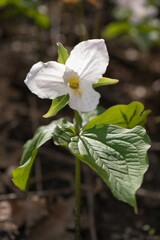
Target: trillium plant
point(112, 142)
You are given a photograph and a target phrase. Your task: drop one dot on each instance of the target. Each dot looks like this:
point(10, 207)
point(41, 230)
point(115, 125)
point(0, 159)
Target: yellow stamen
point(74, 83)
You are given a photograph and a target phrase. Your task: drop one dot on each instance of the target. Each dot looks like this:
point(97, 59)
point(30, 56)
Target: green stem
point(77, 186)
point(76, 122)
point(77, 210)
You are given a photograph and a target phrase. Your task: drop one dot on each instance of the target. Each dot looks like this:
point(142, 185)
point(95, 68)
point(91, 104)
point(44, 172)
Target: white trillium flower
point(140, 10)
point(85, 66)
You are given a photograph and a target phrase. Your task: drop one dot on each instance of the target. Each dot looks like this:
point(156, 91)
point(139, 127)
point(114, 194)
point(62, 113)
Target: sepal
point(62, 54)
point(104, 82)
point(57, 104)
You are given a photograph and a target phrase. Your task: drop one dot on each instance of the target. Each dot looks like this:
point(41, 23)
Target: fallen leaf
point(69, 1)
point(56, 224)
point(94, 2)
point(28, 211)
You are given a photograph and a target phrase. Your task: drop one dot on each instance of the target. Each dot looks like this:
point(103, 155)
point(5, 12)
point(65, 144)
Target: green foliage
point(42, 135)
point(110, 142)
point(57, 104)
point(105, 81)
point(117, 154)
point(21, 174)
point(145, 35)
point(41, 19)
point(85, 118)
point(140, 25)
point(62, 54)
point(127, 116)
point(4, 3)
point(116, 28)
point(29, 8)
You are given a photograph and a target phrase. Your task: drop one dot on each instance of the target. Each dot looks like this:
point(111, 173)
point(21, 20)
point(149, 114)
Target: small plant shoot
point(112, 142)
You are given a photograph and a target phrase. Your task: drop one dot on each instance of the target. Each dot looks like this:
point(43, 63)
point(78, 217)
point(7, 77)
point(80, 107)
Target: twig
point(14, 196)
point(148, 194)
point(60, 174)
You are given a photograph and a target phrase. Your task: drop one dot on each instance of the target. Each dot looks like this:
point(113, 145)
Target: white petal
point(68, 74)
point(89, 59)
point(46, 80)
point(151, 11)
point(86, 99)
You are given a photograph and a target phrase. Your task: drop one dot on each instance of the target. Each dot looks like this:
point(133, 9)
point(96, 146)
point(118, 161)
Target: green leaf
point(118, 155)
point(40, 18)
point(139, 33)
point(41, 136)
point(105, 81)
point(21, 174)
point(4, 3)
point(84, 118)
point(57, 104)
point(116, 28)
point(62, 54)
point(127, 116)
point(26, 7)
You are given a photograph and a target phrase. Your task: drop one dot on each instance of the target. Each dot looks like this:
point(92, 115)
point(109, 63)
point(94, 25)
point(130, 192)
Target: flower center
point(74, 82)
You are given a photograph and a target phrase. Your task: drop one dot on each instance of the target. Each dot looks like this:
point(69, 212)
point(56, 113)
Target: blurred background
point(29, 31)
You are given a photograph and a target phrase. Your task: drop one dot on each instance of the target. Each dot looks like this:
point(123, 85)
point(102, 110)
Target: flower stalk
point(77, 209)
point(77, 187)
